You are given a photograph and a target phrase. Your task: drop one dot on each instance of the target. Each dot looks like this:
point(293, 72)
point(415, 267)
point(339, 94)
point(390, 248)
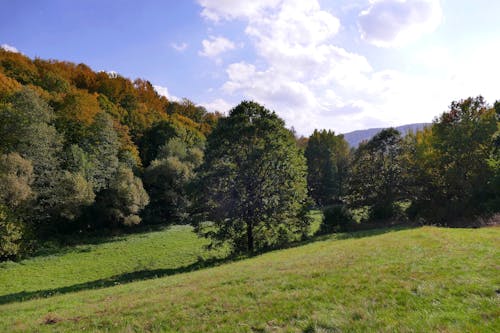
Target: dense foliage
point(253, 181)
point(327, 161)
point(376, 175)
point(77, 145)
point(455, 162)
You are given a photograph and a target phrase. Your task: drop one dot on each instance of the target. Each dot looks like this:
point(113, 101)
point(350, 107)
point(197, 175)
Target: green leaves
point(327, 161)
point(451, 163)
point(376, 175)
point(253, 179)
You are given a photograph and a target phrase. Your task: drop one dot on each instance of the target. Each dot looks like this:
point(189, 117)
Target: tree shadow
point(69, 243)
point(373, 232)
point(199, 264)
point(363, 232)
point(113, 280)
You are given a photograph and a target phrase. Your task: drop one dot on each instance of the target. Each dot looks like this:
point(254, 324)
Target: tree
point(26, 125)
point(376, 174)
point(327, 157)
point(75, 113)
point(75, 193)
point(16, 176)
point(253, 181)
point(167, 180)
point(102, 147)
point(121, 203)
point(154, 138)
point(187, 109)
point(493, 200)
point(11, 235)
point(452, 162)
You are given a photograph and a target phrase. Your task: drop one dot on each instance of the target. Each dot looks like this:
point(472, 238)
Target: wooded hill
point(81, 149)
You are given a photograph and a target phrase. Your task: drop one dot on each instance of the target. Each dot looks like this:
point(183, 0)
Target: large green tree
point(451, 162)
point(376, 174)
point(327, 160)
point(253, 181)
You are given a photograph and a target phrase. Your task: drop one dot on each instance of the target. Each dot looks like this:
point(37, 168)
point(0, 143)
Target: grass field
point(414, 280)
point(110, 262)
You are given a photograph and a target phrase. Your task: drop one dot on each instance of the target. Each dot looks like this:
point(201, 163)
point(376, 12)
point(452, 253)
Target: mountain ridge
point(354, 138)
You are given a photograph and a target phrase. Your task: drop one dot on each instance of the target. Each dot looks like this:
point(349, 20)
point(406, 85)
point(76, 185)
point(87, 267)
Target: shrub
point(11, 236)
point(336, 219)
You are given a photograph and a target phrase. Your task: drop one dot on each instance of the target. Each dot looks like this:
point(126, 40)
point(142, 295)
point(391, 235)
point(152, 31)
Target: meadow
point(406, 280)
point(107, 262)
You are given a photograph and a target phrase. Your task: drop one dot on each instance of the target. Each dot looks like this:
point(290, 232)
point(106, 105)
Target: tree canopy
point(327, 161)
point(253, 180)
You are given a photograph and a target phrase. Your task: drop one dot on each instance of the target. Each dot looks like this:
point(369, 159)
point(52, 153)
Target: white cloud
point(9, 48)
point(302, 72)
point(299, 65)
point(216, 10)
point(219, 105)
point(179, 47)
point(388, 23)
point(215, 46)
point(163, 91)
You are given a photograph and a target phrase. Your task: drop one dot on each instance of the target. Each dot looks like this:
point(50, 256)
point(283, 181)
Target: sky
point(335, 64)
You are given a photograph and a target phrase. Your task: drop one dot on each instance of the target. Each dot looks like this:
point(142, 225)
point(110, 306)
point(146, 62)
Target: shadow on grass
point(200, 264)
point(360, 233)
point(112, 281)
point(374, 232)
point(69, 243)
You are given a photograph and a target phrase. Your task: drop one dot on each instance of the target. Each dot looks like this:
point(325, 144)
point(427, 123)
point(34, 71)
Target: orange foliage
point(126, 143)
point(77, 94)
point(8, 86)
point(18, 67)
point(80, 106)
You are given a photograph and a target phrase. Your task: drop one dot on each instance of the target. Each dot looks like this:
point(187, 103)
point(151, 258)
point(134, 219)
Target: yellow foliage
point(8, 86)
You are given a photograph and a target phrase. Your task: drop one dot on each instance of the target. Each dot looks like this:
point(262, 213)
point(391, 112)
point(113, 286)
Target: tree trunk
point(250, 237)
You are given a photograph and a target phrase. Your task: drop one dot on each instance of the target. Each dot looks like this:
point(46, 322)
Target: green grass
point(120, 259)
point(415, 280)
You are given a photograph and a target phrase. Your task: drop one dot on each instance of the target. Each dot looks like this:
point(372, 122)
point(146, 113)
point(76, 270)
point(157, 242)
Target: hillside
point(104, 262)
point(424, 279)
point(356, 137)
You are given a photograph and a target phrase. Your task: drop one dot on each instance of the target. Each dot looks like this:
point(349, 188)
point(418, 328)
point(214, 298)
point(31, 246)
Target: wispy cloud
point(215, 46)
point(179, 47)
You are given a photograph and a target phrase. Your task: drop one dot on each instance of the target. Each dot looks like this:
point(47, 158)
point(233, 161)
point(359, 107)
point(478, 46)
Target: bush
point(383, 212)
point(336, 218)
point(11, 236)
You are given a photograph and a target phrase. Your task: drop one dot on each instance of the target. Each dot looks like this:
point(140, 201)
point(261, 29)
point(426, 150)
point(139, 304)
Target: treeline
point(84, 151)
point(447, 174)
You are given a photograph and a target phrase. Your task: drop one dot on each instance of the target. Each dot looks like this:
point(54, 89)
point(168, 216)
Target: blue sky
point(335, 64)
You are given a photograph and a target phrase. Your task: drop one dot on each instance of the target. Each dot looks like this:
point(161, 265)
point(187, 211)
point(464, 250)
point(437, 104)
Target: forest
point(85, 152)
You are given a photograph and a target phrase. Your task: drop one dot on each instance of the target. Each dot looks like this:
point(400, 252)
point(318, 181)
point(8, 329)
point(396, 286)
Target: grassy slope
point(113, 261)
point(426, 279)
point(118, 260)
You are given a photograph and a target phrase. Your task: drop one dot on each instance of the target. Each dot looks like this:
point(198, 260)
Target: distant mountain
point(356, 137)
